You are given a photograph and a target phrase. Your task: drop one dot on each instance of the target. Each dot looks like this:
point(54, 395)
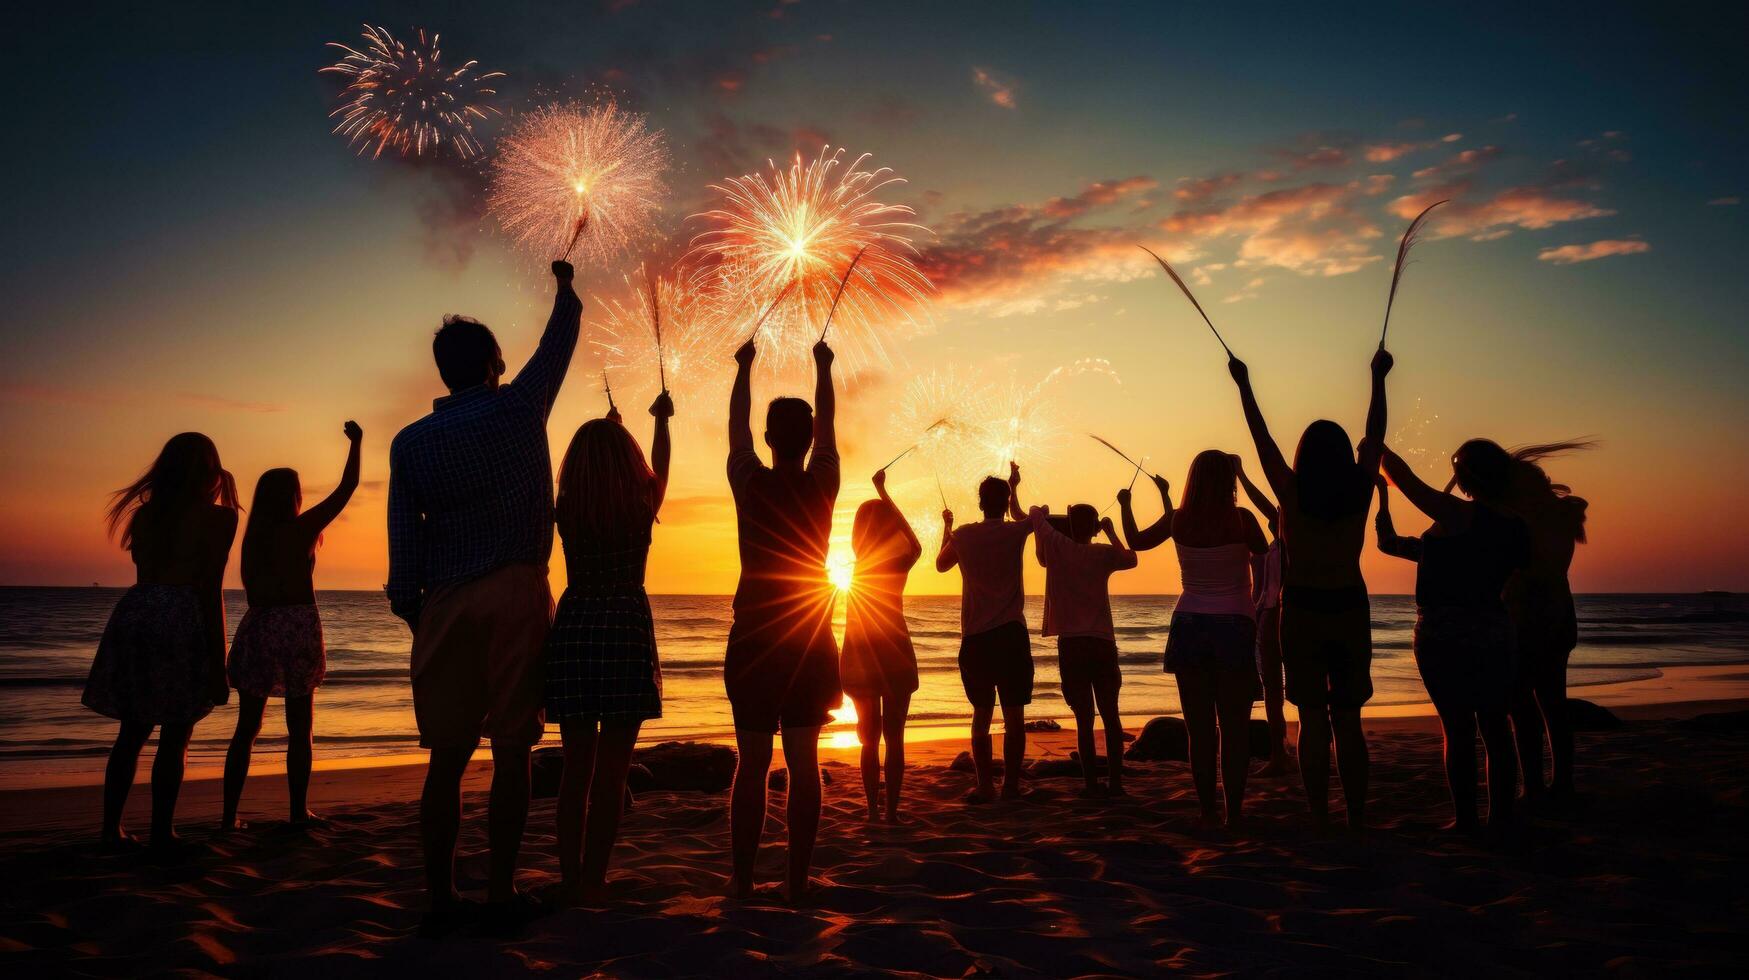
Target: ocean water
point(47, 637)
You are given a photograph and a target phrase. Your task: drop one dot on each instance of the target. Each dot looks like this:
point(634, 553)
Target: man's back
point(990, 554)
point(784, 524)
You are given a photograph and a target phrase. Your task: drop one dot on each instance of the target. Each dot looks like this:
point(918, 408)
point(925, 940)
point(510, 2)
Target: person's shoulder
point(411, 434)
point(218, 517)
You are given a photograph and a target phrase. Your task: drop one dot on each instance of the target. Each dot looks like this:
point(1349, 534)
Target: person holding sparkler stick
point(781, 666)
point(1326, 623)
point(995, 648)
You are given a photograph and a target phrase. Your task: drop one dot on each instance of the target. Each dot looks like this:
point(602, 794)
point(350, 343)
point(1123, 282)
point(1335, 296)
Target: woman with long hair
point(603, 679)
point(878, 665)
point(277, 652)
point(1540, 602)
point(1326, 617)
point(1211, 644)
point(161, 661)
point(1463, 636)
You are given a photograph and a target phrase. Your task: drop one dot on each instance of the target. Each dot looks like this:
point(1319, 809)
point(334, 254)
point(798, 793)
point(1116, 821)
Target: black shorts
point(1083, 663)
point(1326, 650)
point(997, 664)
point(781, 681)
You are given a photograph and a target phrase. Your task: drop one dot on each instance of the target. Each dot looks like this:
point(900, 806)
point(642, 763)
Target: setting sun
point(840, 569)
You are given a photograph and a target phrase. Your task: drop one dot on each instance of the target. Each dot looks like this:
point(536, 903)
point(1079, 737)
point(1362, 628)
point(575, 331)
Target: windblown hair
point(187, 474)
point(606, 489)
point(1515, 480)
point(1328, 483)
point(1210, 493)
point(875, 534)
point(279, 498)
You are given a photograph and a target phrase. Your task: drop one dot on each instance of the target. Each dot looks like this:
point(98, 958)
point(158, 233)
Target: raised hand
point(947, 519)
point(823, 354)
point(880, 480)
point(563, 272)
point(1161, 484)
point(1382, 362)
point(1013, 474)
point(353, 432)
point(1109, 528)
point(613, 414)
point(744, 355)
point(1123, 497)
point(663, 406)
point(1238, 370)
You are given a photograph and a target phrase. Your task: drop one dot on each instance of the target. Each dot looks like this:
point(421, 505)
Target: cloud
point(1573, 254)
point(1533, 206)
point(1465, 161)
point(1725, 202)
point(1097, 194)
point(1000, 88)
point(1313, 229)
point(1191, 190)
point(731, 147)
point(1386, 152)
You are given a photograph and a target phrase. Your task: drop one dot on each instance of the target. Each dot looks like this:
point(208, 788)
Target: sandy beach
point(1644, 880)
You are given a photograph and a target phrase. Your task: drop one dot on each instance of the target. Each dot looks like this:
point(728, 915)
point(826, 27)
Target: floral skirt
point(277, 652)
point(152, 663)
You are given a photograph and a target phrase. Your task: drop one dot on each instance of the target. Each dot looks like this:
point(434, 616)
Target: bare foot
point(121, 842)
point(236, 823)
point(983, 794)
point(307, 821)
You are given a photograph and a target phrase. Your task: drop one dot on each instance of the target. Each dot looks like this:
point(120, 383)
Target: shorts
point(1084, 663)
point(997, 664)
point(477, 659)
point(1326, 651)
point(1465, 657)
point(782, 676)
point(1215, 644)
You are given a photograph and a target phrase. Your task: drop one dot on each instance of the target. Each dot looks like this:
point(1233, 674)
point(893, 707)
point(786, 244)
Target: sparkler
point(566, 169)
point(769, 309)
point(656, 323)
point(1411, 235)
point(1120, 452)
point(400, 97)
point(1190, 296)
point(656, 327)
point(796, 228)
point(840, 293)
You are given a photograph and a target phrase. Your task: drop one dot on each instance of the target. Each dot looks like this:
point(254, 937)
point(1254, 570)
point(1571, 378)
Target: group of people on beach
point(1273, 607)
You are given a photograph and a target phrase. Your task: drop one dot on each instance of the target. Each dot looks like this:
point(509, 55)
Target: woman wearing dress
point(277, 652)
point(878, 666)
point(603, 680)
point(161, 662)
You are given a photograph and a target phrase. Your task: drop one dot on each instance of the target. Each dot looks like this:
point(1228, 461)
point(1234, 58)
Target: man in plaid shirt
point(470, 531)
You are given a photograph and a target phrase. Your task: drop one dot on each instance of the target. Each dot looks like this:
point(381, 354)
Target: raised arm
point(1014, 510)
point(947, 557)
point(1259, 499)
point(1442, 508)
point(660, 447)
point(741, 402)
point(1155, 534)
point(314, 519)
point(825, 402)
point(405, 587)
point(1275, 468)
point(1367, 453)
point(915, 546)
point(1390, 542)
point(540, 378)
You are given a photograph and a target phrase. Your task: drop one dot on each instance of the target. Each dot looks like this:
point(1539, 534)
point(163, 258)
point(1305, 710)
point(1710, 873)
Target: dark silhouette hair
point(1210, 492)
point(789, 427)
point(186, 474)
point(606, 489)
point(1512, 479)
point(993, 494)
point(875, 535)
point(279, 496)
point(1083, 522)
point(1328, 483)
point(465, 350)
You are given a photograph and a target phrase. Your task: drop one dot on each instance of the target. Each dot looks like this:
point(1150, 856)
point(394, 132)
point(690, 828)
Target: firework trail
point(574, 177)
point(691, 347)
point(399, 97)
point(798, 229)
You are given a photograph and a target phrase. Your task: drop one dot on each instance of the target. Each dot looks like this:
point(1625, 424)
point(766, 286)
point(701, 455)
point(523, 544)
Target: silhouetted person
point(603, 679)
point(1326, 625)
point(161, 661)
point(1078, 614)
point(470, 532)
point(277, 652)
point(1540, 602)
point(1266, 597)
point(1211, 646)
point(781, 670)
point(879, 664)
point(1463, 637)
point(995, 649)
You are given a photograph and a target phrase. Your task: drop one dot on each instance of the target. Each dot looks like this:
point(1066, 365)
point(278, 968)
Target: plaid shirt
point(471, 484)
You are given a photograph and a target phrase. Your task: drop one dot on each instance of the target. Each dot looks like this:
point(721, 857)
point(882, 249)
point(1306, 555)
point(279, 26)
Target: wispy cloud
point(1573, 254)
point(1725, 202)
point(999, 88)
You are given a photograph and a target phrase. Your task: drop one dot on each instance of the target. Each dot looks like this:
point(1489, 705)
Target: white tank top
point(1217, 581)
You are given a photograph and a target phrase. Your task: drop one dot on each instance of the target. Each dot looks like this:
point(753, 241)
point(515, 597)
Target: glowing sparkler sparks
point(1410, 439)
point(400, 97)
point(799, 228)
point(690, 354)
point(567, 176)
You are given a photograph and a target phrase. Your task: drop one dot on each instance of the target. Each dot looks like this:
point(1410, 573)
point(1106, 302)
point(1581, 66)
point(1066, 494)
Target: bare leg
point(893, 722)
point(1013, 749)
point(1315, 760)
point(506, 817)
point(1196, 695)
point(801, 754)
point(1269, 650)
point(868, 733)
point(983, 761)
point(1527, 729)
point(299, 755)
point(249, 711)
point(118, 779)
point(1551, 698)
point(1105, 691)
point(1459, 726)
point(168, 765)
point(1502, 768)
point(1233, 709)
point(440, 820)
point(1352, 763)
point(607, 801)
point(579, 738)
point(747, 806)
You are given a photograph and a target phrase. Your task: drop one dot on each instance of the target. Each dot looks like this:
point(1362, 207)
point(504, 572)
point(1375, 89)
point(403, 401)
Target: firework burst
point(400, 97)
point(569, 177)
point(799, 229)
point(691, 354)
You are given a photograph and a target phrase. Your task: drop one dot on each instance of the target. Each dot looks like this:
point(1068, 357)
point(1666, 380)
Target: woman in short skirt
point(161, 661)
point(277, 652)
point(603, 680)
